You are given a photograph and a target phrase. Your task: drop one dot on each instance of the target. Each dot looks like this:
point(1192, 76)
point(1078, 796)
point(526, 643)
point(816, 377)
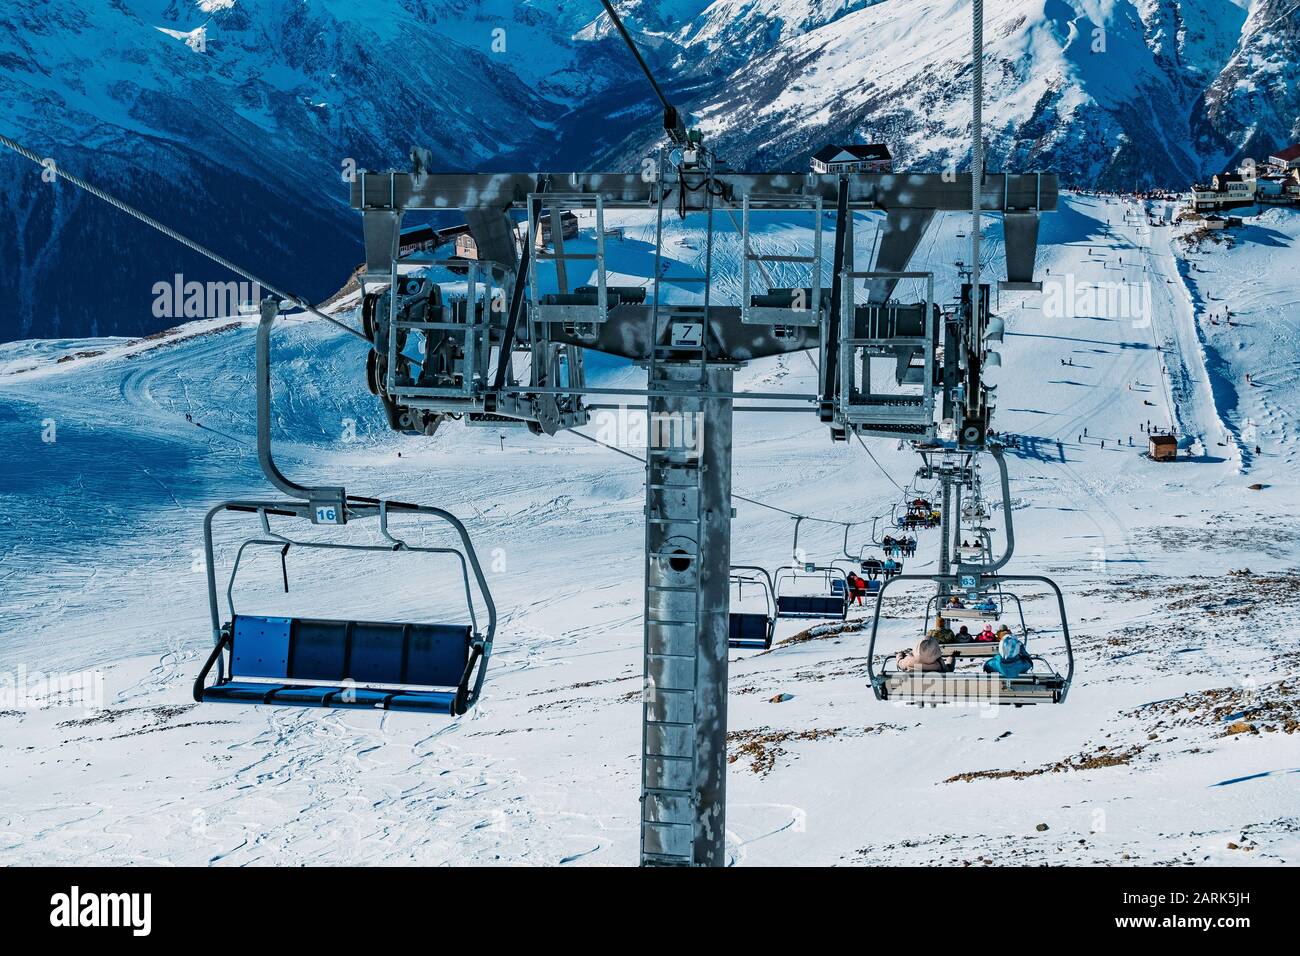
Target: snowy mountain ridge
point(232, 119)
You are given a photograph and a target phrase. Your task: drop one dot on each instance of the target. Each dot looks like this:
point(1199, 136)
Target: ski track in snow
point(97, 552)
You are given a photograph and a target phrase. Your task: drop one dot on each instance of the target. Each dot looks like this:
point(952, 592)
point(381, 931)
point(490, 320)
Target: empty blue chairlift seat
point(751, 630)
point(812, 605)
point(305, 662)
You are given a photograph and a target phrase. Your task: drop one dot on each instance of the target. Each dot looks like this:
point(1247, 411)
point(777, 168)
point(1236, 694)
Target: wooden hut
point(1162, 447)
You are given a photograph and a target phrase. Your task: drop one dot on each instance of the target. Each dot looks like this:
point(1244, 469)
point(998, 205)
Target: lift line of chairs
point(783, 597)
point(434, 667)
point(752, 628)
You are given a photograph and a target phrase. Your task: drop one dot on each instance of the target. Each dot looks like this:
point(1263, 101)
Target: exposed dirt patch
point(820, 632)
point(561, 704)
point(174, 336)
point(158, 714)
point(762, 747)
point(1100, 757)
point(73, 356)
point(154, 730)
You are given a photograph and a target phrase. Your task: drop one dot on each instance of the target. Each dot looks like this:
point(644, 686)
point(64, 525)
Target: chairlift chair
point(308, 662)
point(752, 629)
point(870, 570)
point(1038, 686)
point(974, 648)
point(833, 604)
point(984, 611)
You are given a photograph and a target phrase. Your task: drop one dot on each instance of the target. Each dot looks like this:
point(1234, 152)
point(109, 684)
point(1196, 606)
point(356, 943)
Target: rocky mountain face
point(1114, 93)
point(1253, 105)
point(235, 121)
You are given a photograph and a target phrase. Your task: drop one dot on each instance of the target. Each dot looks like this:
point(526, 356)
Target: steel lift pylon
point(690, 346)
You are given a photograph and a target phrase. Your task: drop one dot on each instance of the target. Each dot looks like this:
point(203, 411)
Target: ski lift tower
point(690, 352)
point(690, 347)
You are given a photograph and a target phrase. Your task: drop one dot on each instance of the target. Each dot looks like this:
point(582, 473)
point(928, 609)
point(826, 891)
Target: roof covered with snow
point(853, 152)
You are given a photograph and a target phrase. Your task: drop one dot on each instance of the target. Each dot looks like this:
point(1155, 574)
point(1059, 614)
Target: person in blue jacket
point(1011, 659)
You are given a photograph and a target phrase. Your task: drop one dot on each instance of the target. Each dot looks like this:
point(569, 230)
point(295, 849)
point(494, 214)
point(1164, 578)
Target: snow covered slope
point(1177, 742)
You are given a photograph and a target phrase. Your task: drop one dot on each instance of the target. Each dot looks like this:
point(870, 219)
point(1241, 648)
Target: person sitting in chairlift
point(941, 632)
point(1011, 659)
point(1003, 631)
point(964, 635)
point(890, 567)
point(987, 634)
point(872, 567)
point(955, 601)
point(987, 606)
point(925, 656)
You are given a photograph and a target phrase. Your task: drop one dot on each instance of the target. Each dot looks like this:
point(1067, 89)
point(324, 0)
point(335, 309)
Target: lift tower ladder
point(688, 542)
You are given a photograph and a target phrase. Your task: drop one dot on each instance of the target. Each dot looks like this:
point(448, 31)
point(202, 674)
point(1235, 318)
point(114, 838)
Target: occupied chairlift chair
point(918, 513)
point(752, 630)
point(975, 648)
point(306, 662)
point(869, 564)
point(898, 548)
point(951, 686)
point(972, 608)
